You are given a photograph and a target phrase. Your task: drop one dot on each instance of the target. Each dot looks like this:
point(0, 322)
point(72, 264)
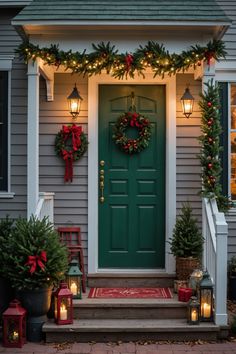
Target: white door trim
point(93, 84)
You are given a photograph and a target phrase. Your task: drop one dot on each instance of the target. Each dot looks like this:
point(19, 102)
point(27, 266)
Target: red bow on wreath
point(74, 132)
point(34, 261)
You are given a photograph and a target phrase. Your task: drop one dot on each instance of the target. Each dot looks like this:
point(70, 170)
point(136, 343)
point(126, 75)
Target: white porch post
point(221, 317)
point(33, 138)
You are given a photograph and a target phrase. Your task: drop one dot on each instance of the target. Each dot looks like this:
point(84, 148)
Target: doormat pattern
point(130, 293)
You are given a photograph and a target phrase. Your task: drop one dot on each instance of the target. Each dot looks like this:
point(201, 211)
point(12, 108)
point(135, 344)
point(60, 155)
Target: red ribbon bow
point(209, 56)
point(76, 131)
point(128, 61)
point(68, 157)
point(34, 261)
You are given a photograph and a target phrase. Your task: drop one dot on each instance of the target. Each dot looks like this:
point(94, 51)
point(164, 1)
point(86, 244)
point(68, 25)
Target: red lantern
point(63, 305)
point(14, 326)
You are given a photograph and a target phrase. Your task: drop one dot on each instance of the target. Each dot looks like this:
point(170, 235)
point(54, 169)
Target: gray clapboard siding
point(9, 40)
point(70, 206)
point(229, 37)
point(231, 219)
point(187, 147)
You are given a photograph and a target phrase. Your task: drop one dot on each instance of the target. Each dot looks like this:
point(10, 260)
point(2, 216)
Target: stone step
point(106, 330)
point(142, 280)
point(129, 308)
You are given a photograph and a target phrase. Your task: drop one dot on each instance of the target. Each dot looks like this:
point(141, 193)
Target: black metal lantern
point(74, 102)
point(193, 311)
point(206, 298)
point(74, 279)
point(187, 101)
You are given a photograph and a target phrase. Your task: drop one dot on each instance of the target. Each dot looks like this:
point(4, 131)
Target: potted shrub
point(6, 292)
point(34, 261)
point(232, 278)
point(186, 243)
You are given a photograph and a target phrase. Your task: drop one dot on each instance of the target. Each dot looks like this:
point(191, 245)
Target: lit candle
point(63, 312)
point(194, 315)
point(15, 335)
point(73, 288)
point(206, 310)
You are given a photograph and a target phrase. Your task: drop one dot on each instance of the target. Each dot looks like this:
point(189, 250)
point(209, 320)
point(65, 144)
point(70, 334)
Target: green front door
point(132, 216)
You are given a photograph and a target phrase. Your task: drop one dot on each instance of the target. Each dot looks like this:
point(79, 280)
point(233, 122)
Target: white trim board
point(93, 84)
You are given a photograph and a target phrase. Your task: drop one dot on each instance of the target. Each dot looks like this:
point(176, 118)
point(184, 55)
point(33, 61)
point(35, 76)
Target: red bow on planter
point(34, 261)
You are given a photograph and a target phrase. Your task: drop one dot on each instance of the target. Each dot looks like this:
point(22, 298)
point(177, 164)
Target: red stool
point(70, 236)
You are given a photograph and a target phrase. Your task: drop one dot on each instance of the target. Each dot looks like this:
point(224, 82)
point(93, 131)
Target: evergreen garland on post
point(210, 145)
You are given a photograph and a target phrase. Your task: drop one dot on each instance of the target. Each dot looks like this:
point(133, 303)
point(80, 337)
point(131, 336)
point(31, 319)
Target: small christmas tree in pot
point(186, 243)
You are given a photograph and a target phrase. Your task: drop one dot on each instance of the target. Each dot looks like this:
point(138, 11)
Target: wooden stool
point(70, 236)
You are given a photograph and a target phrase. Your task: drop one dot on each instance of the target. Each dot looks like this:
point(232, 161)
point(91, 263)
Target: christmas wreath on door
point(136, 121)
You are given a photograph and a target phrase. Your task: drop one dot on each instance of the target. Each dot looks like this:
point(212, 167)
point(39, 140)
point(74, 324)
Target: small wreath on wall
point(70, 144)
point(137, 121)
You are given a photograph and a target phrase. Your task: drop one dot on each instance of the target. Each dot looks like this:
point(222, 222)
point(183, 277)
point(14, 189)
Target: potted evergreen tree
point(34, 261)
point(186, 243)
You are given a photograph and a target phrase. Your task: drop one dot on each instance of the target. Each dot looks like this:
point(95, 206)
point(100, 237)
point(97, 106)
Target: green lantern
point(74, 279)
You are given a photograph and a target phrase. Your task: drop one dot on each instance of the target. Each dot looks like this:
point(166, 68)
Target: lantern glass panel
point(13, 334)
point(193, 311)
point(206, 303)
point(74, 284)
point(187, 107)
point(65, 308)
point(74, 106)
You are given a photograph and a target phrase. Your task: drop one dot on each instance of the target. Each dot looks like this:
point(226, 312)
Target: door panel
point(132, 217)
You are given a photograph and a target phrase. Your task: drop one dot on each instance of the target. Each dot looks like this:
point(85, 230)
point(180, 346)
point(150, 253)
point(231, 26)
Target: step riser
point(84, 337)
point(130, 313)
point(108, 282)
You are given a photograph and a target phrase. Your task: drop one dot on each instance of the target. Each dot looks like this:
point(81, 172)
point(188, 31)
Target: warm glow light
point(73, 288)
point(74, 106)
point(206, 310)
point(15, 335)
point(63, 312)
point(74, 101)
point(187, 101)
point(194, 315)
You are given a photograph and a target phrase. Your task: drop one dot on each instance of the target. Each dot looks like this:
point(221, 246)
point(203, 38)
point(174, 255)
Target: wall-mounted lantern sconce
point(187, 101)
point(74, 102)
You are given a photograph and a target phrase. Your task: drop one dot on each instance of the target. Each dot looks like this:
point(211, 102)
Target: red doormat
point(130, 293)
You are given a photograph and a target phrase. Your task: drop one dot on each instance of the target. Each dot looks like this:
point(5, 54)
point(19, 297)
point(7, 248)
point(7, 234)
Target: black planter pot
point(37, 303)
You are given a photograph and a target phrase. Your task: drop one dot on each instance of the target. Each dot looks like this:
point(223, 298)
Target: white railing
point(215, 233)
point(45, 206)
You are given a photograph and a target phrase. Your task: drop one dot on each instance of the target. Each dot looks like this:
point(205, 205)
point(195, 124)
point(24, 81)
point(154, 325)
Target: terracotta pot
point(185, 267)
